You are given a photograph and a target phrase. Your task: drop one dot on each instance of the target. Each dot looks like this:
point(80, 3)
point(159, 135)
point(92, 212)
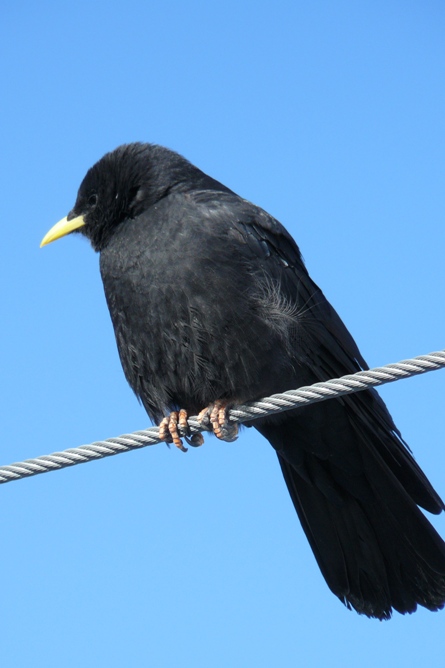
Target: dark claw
point(196, 440)
point(229, 431)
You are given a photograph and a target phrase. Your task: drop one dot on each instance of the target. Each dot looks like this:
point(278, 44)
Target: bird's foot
point(216, 415)
point(175, 427)
point(168, 428)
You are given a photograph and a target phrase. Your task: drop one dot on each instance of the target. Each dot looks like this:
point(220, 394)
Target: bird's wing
point(275, 256)
point(326, 349)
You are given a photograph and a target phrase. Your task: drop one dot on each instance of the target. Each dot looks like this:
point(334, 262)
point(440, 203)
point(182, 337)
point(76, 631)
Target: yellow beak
point(62, 228)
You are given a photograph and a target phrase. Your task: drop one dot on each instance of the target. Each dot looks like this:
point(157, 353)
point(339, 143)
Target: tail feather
point(355, 488)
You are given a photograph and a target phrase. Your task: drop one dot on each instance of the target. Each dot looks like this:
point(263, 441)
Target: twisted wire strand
point(276, 403)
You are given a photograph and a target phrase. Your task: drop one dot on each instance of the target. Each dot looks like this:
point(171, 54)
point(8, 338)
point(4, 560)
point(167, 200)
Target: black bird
point(211, 306)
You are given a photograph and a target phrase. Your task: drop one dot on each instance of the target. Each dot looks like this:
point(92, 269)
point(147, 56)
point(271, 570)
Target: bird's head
point(121, 186)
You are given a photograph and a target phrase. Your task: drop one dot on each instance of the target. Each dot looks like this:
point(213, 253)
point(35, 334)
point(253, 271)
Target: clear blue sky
point(331, 117)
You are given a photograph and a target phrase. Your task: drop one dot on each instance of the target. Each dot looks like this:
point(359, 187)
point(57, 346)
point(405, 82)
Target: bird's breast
point(189, 325)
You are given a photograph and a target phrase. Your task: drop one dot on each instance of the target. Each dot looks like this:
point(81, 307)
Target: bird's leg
point(217, 414)
point(169, 432)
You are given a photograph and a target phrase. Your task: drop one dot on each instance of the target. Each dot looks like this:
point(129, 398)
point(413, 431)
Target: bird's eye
point(133, 193)
point(92, 200)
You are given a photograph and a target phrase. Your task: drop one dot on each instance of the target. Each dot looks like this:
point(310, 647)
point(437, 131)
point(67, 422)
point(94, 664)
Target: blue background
point(331, 117)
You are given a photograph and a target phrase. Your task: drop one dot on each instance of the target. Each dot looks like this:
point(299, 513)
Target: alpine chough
point(212, 306)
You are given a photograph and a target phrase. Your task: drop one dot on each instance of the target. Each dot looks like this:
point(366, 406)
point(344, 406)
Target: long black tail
point(356, 489)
